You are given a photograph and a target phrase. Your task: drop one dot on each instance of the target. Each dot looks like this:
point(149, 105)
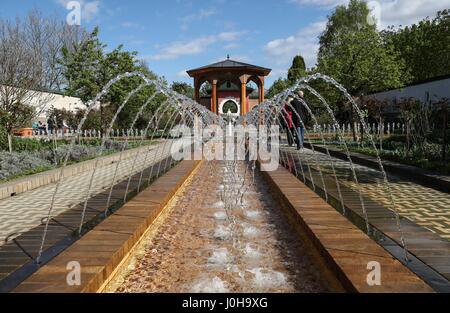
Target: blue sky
point(175, 35)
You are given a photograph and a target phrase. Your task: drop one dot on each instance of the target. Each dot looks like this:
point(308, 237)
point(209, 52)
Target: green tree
point(184, 89)
point(424, 46)
point(88, 68)
point(28, 49)
point(355, 54)
point(297, 70)
point(81, 67)
point(278, 86)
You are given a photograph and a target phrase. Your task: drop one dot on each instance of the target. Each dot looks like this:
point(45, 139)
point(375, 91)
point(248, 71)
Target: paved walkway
point(425, 206)
point(25, 211)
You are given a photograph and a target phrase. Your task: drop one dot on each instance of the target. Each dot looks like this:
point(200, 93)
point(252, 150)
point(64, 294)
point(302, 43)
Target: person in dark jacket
point(300, 119)
point(288, 122)
point(50, 125)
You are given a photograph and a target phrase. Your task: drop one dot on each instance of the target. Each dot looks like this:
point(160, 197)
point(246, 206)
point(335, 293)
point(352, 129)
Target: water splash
point(210, 285)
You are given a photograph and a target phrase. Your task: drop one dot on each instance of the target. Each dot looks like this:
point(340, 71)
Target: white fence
point(373, 128)
point(326, 129)
point(69, 133)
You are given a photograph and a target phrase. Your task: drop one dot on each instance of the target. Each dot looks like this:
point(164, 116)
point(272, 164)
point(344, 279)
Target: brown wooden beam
point(214, 96)
point(262, 90)
point(197, 90)
point(243, 98)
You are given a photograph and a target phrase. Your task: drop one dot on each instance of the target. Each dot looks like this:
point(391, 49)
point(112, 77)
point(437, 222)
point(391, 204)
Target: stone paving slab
point(426, 207)
point(346, 249)
point(24, 211)
point(429, 178)
point(101, 250)
point(12, 258)
point(421, 242)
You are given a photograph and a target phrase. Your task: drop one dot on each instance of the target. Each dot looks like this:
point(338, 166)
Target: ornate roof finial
point(228, 56)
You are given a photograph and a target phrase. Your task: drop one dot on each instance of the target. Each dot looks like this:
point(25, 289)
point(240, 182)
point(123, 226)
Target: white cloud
point(179, 48)
point(231, 46)
point(407, 12)
point(129, 25)
point(89, 9)
point(319, 2)
point(305, 42)
point(230, 36)
point(239, 58)
point(182, 74)
point(195, 46)
point(277, 73)
point(199, 16)
point(392, 12)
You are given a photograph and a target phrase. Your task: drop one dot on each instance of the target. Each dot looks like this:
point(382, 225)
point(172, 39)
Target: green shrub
point(29, 144)
point(3, 139)
point(15, 164)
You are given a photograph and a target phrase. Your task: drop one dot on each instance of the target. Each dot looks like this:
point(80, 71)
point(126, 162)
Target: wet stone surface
point(204, 244)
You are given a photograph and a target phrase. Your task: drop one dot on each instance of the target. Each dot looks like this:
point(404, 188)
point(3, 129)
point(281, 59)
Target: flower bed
point(18, 164)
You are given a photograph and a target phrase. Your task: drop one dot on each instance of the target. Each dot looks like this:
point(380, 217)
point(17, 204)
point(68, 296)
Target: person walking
point(288, 123)
point(50, 125)
point(65, 127)
point(35, 127)
point(300, 119)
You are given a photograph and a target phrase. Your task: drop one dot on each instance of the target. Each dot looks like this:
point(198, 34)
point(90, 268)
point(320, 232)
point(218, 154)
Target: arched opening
point(256, 90)
point(205, 93)
point(229, 106)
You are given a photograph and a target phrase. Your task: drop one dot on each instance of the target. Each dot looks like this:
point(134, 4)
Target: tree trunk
point(381, 134)
point(10, 143)
point(352, 123)
point(353, 131)
point(101, 118)
point(361, 132)
point(408, 138)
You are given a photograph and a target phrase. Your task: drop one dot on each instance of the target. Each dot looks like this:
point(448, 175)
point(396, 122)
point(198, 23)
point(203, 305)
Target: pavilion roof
point(229, 64)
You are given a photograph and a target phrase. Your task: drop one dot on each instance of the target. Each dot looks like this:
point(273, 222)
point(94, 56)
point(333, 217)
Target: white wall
point(428, 93)
point(55, 101)
point(44, 101)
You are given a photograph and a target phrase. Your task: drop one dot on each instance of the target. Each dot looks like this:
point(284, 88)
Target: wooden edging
point(103, 249)
point(343, 248)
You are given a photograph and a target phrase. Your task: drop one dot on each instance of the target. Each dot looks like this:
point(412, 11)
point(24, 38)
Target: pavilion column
point(243, 98)
point(261, 90)
point(243, 80)
point(261, 99)
point(196, 90)
point(214, 96)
